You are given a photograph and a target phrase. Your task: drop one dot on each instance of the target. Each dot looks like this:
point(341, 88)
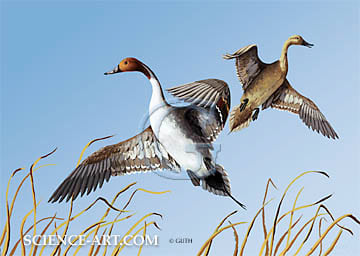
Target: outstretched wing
point(213, 95)
point(286, 98)
point(140, 153)
point(248, 64)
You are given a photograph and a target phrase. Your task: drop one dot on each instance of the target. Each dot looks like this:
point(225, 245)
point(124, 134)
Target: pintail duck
point(178, 137)
point(266, 85)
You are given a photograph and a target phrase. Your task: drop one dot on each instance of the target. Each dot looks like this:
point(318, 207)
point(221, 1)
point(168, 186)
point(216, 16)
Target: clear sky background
point(54, 94)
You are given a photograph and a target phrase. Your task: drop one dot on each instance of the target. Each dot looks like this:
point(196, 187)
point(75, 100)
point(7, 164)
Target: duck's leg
point(243, 104)
point(255, 114)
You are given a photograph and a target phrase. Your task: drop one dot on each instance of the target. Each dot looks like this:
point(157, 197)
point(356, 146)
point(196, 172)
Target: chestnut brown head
point(128, 65)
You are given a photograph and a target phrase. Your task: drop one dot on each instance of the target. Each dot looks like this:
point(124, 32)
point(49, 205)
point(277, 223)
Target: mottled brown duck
point(266, 85)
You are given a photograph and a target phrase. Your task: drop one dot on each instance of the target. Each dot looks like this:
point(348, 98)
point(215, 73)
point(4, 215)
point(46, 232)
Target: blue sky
point(54, 94)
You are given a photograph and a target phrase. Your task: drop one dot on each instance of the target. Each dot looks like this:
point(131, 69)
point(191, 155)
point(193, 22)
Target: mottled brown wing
point(210, 94)
point(286, 98)
point(248, 64)
point(140, 153)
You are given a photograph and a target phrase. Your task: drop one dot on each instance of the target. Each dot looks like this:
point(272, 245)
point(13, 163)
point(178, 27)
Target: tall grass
point(294, 240)
point(54, 225)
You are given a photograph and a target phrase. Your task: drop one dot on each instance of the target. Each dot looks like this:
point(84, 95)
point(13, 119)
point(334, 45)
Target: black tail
point(219, 184)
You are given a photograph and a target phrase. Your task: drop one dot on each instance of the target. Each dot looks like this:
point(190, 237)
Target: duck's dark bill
point(307, 44)
point(115, 70)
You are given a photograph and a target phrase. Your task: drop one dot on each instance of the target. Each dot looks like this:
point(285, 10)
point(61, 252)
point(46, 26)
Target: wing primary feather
point(84, 180)
point(107, 175)
point(75, 184)
point(66, 188)
point(91, 177)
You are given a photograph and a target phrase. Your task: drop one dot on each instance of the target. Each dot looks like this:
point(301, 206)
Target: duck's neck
point(157, 97)
point(283, 57)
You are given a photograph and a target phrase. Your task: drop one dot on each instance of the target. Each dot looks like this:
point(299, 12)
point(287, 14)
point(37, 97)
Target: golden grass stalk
point(284, 215)
point(117, 251)
point(33, 192)
point(82, 233)
point(117, 248)
point(298, 234)
point(42, 233)
point(6, 229)
point(217, 228)
point(291, 217)
point(154, 192)
point(87, 145)
point(98, 225)
point(110, 231)
point(128, 202)
point(101, 240)
point(23, 251)
point(332, 246)
point(29, 229)
point(290, 224)
point(59, 250)
point(329, 228)
point(331, 216)
point(108, 210)
point(320, 221)
point(80, 213)
point(77, 237)
point(15, 196)
point(110, 205)
point(312, 225)
point(236, 236)
point(6, 246)
point(125, 206)
point(9, 212)
point(144, 235)
point(102, 224)
point(282, 199)
point(286, 233)
point(93, 240)
point(114, 200)
point(34, 200)
point(7, 225)
point(263, 212)
point(202, 249)
point(310, 230)
point(65, 229)
point(112, 225)
point(251, 226)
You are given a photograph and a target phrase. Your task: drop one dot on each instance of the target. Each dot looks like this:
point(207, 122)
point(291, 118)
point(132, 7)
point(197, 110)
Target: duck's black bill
point(114, 71)
point(307, 44)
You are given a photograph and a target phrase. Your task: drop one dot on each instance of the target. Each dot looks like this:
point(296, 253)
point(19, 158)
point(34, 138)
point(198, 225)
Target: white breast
point(172, 138)
point(181, 148)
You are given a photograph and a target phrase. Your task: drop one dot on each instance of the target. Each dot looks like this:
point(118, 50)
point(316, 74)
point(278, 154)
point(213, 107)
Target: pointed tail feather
point(219, 184)
point(239, 119)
